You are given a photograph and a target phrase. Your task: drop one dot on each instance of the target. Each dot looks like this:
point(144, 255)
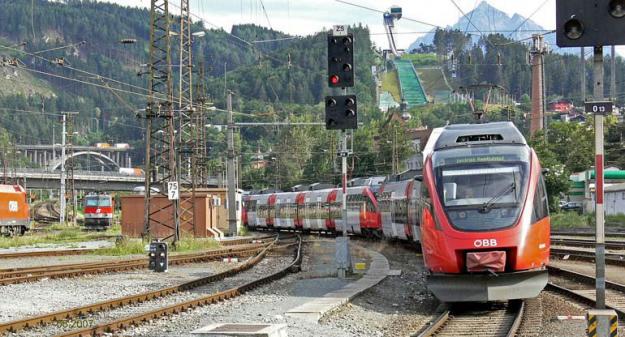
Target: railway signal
point(341, 61)
point(341, 112)
point(595, 23)
point(158, 256)
point(582, 23)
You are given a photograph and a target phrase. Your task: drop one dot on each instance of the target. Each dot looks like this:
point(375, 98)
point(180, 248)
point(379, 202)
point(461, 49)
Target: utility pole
point(538, 108)
point(161, 172)
point(70, 165)
point(343, 254)
point(232, 210)
point(612, 72)
point(599, 209)
point(62, 192)
point(582, 60)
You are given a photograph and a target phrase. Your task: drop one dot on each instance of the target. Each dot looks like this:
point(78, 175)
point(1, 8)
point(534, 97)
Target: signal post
point(341, 114)
point(595, 23)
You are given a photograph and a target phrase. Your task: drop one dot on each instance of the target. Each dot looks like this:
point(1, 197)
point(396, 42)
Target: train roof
point(478, 134)
point(11, 189)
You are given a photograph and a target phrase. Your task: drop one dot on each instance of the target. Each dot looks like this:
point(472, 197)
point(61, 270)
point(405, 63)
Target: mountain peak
point(484, 5)
point(488, 19)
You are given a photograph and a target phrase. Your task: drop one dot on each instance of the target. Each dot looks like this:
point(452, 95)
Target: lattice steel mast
point(186, 125)
point(70, 166)
point(160, 163)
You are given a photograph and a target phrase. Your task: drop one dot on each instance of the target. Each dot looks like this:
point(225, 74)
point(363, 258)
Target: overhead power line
point(262, 4)
point(380, 11)
point(470, 21)
point(528, 18)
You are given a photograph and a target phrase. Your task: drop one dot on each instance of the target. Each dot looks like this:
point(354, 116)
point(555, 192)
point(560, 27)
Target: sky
point(304, 17)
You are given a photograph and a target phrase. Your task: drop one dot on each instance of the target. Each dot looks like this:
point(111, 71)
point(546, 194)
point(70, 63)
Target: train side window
point(541, 203)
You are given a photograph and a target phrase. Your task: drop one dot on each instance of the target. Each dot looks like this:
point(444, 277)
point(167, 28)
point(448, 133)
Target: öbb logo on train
point(485, 243)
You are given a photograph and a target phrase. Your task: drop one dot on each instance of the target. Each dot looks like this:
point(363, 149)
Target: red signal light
point(334, 79)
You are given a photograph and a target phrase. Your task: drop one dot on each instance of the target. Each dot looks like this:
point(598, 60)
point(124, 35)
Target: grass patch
point(421, 59)
point(568, 220)
point(125, 246)
point(196, 244)
point(56, 234)
point(615, 220)
point(64, 235)
point(390, 83)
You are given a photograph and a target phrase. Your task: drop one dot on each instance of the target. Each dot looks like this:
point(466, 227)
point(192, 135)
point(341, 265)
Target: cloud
point(307, 17)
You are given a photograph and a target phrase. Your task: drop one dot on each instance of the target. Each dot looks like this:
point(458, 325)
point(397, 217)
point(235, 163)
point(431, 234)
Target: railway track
point(30, 274)
point(63, 252)
point(143, 317)
point(582, 243)
point(581, 288)
point(90, 309)
point(587, 234)
point(503, 320)
point(40, 253)
point(45, 212)
point(587, 256)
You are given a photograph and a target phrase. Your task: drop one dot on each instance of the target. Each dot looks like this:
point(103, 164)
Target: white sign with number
point(339, 30)
point(172, 190)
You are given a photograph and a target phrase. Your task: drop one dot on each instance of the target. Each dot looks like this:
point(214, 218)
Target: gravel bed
point(28, 299)
point(555, 305)
point(63, 259)
point(93, 244)
point(613, 273)
point(265, 267)
point(396, 307)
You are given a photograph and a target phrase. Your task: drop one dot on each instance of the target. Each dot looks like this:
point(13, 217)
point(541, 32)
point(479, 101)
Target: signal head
point(349, 102)
point(617, 8)
point(350, 113)
point(573, 28)
point(331, 102)
point(335, 79)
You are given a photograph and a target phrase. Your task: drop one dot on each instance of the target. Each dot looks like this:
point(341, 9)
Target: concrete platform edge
point(314, 310)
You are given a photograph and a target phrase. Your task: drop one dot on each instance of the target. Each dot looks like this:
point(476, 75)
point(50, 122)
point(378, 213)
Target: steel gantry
point(160, 157)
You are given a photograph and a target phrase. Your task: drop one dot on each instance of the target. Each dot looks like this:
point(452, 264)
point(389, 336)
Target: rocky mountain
point(490, 19)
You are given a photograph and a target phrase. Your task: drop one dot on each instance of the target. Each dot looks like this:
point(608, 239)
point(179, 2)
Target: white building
point(614, 199)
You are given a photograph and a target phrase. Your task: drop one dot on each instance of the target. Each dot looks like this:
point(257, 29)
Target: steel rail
point(441, 323)
point(588, 256)
point(14, 277)
point(43, 319)
point(587, 243)
point(39, 253)
point(588, 234)
point(138, 319)
point(586, 279)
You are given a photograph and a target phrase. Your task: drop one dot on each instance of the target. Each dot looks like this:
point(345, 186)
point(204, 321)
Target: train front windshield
point(482, 188)
point(97, 201)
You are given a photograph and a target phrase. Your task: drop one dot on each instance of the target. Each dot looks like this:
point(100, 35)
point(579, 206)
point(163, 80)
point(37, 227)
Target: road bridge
point(46, 155)
point(86, 180)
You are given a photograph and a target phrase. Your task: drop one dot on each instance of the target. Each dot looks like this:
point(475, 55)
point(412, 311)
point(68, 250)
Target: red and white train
point(478, 210)
point(98, 211)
